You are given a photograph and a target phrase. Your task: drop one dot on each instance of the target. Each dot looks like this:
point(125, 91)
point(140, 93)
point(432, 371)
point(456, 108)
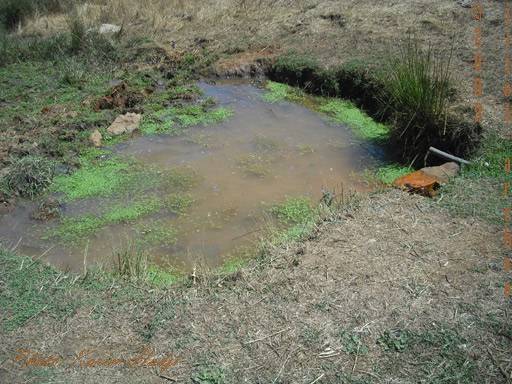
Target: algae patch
point(72, 229)
point(157, 232)
point(175, 119)
point(362, 124)
point(281, 92)
point(95, 178)
point(341, 111)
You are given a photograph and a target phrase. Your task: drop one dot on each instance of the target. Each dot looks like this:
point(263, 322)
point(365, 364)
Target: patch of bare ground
point(390, 290)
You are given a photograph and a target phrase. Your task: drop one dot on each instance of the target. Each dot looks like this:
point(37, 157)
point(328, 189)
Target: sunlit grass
point(363, 125)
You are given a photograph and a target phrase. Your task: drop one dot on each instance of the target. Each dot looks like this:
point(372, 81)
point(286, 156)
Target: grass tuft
point(28, 176)
point(30, 288)
point(417, 89)
point(131, 262)
point(73, 229)
point(294, 210)
point(157, 233)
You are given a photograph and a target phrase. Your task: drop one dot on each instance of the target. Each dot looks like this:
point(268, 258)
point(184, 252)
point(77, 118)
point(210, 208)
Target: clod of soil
point(95, 138)
point(119, 97)
point(47, 210)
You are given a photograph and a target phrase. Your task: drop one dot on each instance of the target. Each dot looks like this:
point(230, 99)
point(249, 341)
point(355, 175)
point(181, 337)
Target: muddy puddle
point(260, 156)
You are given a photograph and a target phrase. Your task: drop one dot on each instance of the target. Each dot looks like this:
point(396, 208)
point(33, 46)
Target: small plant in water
point(254, 165)
point(265, 144)
point(131, 262)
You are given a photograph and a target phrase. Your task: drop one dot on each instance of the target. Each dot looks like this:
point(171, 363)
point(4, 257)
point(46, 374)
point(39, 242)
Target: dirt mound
point(119, 97)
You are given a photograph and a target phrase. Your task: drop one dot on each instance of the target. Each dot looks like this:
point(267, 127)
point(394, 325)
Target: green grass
point(175, 119)
point(294, 210)
point(162, 278)
point(478, 190)
point(231, 265)
point(111, 177)
point(440, 353)
point(395, 340)
point(157, 233)
point(352, 343)
point(179, 203)
point(127, 213)
point(30, 289)
point(490, 159)
point(211, 375)
point(341, 111)
point(35, 85)
point(191, 115)
point(179, 179)
point(296, 218)
point(151, 126)
point(255, 165)
point(95, 178)
point(387, 174)
point(73, 229)
point(277, 92)
point(363, 125)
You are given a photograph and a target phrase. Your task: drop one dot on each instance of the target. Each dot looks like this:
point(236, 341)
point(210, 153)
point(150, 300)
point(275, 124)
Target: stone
point(427, 180)
point(125, 124)
point(465, 3)
point(442, 173)
point(95, 138)
point(418, 182)
point(109, 28)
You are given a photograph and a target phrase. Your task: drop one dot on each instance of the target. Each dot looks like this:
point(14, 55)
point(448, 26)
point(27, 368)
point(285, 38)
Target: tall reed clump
point(131, 262)
point(417, 90)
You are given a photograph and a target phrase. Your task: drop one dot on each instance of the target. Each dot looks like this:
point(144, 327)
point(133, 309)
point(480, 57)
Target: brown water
point(261, 155)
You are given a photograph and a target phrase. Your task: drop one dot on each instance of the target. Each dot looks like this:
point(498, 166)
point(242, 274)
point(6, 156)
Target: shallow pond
point(263, 154)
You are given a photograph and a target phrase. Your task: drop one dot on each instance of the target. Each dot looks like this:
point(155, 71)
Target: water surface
point(260, 156)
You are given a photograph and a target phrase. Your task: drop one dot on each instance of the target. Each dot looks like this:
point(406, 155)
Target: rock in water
point(125, 124)
point(95, 138)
